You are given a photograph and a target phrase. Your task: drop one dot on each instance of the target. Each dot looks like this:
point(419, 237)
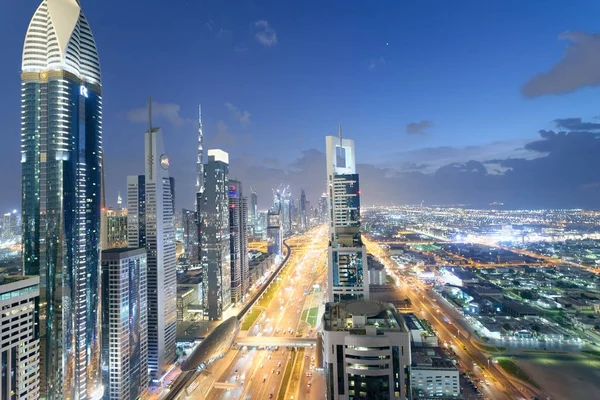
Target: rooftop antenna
point(340, 132)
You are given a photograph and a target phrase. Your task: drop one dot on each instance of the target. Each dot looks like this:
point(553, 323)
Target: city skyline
point(412, 132)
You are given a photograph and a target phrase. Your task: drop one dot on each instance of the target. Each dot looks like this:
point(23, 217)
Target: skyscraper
point(189, 221)
point(238, 214)
point(136, 211)
point(274, 233)
point(160, 246)
point(303, 209)
point(124, 323)
point(347, 263)
point(61, 159)
point(253, 213)
point(214, 235)
point(20, 341)
point(114, 228)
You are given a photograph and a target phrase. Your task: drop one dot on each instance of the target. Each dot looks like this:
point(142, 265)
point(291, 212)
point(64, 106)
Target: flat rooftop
point(351, 315)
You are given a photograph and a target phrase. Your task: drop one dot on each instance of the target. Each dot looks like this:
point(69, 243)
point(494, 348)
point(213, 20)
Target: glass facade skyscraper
point(124, 323)
point(348, 271)
point(61, 159)
point(215, 256)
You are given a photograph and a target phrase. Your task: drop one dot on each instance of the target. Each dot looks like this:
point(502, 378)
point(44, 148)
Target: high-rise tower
point(61, 159)
point(160, 247)
point(199, 162)
point(214, 238)
point(347, 272)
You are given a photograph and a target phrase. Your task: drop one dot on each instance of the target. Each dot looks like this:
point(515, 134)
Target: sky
point(449, 102)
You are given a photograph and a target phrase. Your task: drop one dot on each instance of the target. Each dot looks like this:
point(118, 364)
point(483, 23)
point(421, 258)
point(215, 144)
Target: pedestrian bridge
point(268, 341)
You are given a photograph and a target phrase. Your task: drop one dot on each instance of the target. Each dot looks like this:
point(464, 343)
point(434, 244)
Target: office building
point(238, 239)
point(185, 297)
point(323, 210)
point(20, 339)
point(214, 236)
point(366, 351)
point(61, 160)
point(136, 211)
point(190, 236)
point(274, 234)
point(303, 210)
point(114, 228)
point(124, 324)
point(347, 259)
point(10, 226)
point(433, 375)
point(160, 247)
point(253, 214)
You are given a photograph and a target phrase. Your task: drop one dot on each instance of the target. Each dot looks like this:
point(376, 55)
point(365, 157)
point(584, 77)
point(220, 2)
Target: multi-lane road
point(448, 324)
point(249, 373)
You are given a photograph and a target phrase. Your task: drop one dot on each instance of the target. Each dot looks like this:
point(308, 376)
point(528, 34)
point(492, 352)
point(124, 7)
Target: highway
point(251, 373)
point(184, 380)
point(428, 305)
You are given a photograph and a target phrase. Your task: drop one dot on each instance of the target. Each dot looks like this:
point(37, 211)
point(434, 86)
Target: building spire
point(340, 132)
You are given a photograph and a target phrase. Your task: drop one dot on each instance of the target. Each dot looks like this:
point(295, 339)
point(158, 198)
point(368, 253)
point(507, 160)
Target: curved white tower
point(61, 158)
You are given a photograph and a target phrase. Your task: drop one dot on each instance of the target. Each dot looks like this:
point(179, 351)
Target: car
point(272, 371)
point(271, 395)
point(278, 372)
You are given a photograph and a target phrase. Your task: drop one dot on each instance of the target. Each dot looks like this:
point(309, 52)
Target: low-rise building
point(432, 375)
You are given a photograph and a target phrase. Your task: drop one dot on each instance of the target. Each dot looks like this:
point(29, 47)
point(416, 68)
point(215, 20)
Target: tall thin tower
point(160, 247)
point(61, 164)
point(199, 165)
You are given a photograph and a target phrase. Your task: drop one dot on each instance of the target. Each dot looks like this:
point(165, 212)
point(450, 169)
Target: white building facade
point(366, 348)
point(19, 342)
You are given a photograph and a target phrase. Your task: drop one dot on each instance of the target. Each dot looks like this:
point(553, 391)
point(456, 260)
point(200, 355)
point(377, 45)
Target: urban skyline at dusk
point(319, 200)
point(422, 97)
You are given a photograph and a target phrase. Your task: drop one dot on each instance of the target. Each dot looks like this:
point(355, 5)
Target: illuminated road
point(429, 306)
point(249, 373)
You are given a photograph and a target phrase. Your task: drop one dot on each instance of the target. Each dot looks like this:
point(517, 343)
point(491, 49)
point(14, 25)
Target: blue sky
point(275, 77)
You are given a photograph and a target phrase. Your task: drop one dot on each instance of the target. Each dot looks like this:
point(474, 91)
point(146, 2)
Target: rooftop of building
point(183, 291)
point(363, 317)
point(185, 279)
point(412, 322)
point(430, 358)
point(9, 283)
point(123, 252)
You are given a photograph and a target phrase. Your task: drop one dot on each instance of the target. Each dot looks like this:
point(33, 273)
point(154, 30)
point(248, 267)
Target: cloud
point(242, 116)
point(575, 124)
point(418, 128)
point(222, 138)
point(265, 34)
point(555, 170)
point(167, 111)
point(225, 140)
point(579, 68)
point(377, 62)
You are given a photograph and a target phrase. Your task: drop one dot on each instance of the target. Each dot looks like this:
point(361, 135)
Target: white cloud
point(265, 34)
point(242, 116)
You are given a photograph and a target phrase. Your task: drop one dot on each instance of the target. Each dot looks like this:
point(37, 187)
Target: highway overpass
point(269, 341)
